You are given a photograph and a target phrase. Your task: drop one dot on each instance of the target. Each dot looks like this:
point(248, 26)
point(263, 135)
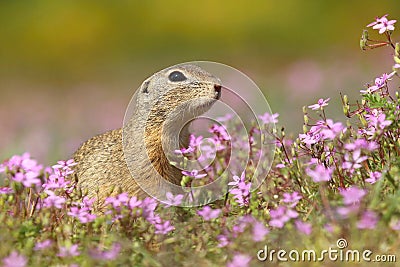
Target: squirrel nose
point(217, 89)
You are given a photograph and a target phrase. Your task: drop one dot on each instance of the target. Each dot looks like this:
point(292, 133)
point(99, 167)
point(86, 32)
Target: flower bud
point(330, 161)
point(346, 110)
point(185, 180)
point(397, 60)
point(330, 146)
point(293, 151)
point(364, 123)
point(297, 142)
point(363, 102)
point(305, 130)
point(183, 184)
point(305, 119)
point(364, 40)
point(345, 100)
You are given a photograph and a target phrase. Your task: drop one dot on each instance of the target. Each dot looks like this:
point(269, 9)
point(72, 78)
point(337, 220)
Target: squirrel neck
point(161, 140)
point(149, 145)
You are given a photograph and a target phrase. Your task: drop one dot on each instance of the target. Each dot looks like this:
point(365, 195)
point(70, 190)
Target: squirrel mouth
point(217, 89)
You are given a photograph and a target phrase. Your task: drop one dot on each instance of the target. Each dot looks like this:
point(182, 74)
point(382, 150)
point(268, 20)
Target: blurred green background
point(69, 68)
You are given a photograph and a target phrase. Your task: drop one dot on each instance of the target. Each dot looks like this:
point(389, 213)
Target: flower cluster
point(333, 180)
point(241, 190)
point(123, 205)
point(23, 170)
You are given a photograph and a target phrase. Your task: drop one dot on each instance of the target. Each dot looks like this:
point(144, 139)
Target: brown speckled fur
point(161, 106)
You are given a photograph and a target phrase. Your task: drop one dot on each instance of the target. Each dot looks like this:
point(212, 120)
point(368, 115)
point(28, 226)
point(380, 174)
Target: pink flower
point(239, 260)
point(330, 129)
point(237, 179)
point(379, 83)
point(153, 218)
point(352, 195)
point(368, 220)
point(14, 260)
point(208, 213)
point(173, 200)
point(329, 227)
point(311, 137)
point(280, 165)
point(377, 119)
point(208, 150)
point(88, 202)
point(18, 177)
point(373, 177)
point(163, 228)
point(194, 143)
point(121, 200)
point(111, 254)
point(83, 214)
point(16, 161)
point(395, 225)
point(303, 227)
point(320, 104)
point(346, 211)
point(223, 241)
point(65, 165)
point(320, 174)
point(281, 215)
point(355, 161)
point(55, 180)
point(361, 144)
point(52, 200)
point(43, 245)
point(225, 118)
point(242, 223)
point(134, 202)
point(184, 151)
point(259, 231)
point(28, 178)
point(71, 251)
point(220, 132)
point(291, 198)
point(6, 190)
point(267, 118)
point(25, 163)
point(31, 178)
point(194, 173)
point(64, 168)
point(242, 193)
point(382, 24)
point(149, 206)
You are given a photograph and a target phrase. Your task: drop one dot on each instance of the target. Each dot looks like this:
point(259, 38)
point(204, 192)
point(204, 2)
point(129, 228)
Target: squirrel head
point(179, 92)
point(162, 111)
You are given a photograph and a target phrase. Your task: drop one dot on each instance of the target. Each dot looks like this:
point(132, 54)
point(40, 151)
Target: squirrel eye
point(176, 76)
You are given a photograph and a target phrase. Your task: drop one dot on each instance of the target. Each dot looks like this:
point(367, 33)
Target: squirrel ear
point(145, 86)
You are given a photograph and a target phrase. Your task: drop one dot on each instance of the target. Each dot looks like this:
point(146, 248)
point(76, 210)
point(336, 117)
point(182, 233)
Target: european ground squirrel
point(165, 102)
